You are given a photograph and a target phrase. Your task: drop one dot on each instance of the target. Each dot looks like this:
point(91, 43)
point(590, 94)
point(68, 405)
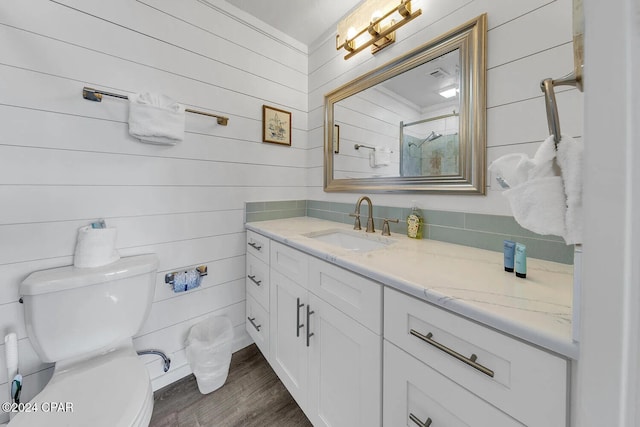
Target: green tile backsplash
point(469, 229)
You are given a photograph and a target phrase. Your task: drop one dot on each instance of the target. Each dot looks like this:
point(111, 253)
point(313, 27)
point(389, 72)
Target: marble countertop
point(465, 280)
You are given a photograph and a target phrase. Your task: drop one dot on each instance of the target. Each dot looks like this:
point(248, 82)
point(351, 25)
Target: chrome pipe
point(167, 361)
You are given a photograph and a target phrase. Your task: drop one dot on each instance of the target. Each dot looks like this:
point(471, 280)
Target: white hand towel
point(539, 205)
point(570, 154)
point(380, 156)
point(513, 169)
point(95, 247)
point(156, 119)
point(543, 160)
point(538, 202)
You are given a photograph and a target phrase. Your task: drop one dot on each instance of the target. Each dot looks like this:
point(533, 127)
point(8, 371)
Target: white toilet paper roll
point(95, 247)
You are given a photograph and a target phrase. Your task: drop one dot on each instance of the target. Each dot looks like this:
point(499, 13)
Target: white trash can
point(209, 352)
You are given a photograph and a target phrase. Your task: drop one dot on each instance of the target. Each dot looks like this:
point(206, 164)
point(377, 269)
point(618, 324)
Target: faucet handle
point(385, 225)
point(356, 224)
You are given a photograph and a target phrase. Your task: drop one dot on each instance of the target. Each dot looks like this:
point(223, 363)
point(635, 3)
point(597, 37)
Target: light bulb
point(351, 33)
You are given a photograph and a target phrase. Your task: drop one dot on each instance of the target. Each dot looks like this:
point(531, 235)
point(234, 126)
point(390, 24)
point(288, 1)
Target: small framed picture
point(276, 125)
point(336, 139)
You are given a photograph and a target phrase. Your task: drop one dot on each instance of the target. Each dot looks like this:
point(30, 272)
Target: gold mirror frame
point(470, 38)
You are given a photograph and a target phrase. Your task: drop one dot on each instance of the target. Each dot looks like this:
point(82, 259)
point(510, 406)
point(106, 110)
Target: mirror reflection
point(414, 124)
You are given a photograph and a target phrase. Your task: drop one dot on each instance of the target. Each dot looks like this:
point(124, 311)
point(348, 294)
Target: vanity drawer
point(414, 393)
point(356, 296)
point(257, 325)
point(290, 262)
point(257, 280)
point(523, 381)
point(258, 246)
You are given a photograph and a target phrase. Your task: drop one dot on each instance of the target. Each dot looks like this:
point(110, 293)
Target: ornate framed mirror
point(415, 124)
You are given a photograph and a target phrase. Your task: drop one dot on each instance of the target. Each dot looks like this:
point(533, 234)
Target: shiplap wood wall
point(528, 40)
point(65, 161)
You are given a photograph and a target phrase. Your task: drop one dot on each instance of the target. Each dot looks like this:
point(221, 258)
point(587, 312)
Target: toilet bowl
point(84, 321)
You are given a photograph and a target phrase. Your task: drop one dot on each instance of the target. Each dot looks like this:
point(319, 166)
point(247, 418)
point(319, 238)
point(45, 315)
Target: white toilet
point(83, 319)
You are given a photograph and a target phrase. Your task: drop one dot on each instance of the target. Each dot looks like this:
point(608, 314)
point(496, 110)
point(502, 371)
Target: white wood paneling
point(65, 161)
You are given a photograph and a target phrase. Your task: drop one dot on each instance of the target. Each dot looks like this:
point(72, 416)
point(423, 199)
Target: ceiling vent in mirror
point(439, 73)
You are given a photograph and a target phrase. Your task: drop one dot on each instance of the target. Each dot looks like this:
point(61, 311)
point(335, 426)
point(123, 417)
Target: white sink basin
point(350, 240)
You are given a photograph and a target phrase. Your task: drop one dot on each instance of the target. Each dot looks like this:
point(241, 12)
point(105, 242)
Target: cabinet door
point(288, 352)
point(414, 394)
point(344, 369)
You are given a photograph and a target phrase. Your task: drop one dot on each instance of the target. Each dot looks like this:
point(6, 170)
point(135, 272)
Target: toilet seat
point(109, 391)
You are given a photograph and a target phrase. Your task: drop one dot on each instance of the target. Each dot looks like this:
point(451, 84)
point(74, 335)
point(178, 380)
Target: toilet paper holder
point(169, 277)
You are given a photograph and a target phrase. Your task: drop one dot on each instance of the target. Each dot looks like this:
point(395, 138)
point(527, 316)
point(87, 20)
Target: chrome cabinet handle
point(255, 246)
point(471, 361)
point(309, 334)
point(251, 319)
point(298, 325)
point(420, 423)
point(253, 279)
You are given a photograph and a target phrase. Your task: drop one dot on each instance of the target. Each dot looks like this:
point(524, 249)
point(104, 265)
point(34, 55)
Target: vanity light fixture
point(369, 26)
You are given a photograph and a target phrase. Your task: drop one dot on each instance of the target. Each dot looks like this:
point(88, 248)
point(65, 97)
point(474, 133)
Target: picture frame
point(336, 139)
point(276, 125)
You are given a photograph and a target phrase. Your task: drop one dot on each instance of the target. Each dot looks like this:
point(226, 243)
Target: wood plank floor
point(252, 396)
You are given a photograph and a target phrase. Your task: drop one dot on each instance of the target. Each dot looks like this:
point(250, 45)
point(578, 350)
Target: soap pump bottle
point(415, 222)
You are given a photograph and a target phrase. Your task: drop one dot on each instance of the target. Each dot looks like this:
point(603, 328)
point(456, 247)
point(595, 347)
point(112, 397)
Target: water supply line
point(167, 361)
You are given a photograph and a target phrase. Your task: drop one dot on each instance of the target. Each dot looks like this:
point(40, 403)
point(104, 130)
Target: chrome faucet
point(356, 225)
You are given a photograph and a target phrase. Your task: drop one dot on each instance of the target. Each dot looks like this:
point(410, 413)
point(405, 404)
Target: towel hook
point(547, 86)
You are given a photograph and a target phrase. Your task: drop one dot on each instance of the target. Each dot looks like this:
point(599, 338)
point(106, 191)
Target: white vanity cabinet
point(441, 366)
point(321, 327)
point(257, 290)
point(325, 344)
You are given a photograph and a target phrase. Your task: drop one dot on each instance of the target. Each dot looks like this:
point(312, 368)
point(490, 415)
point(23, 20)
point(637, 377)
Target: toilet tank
point(70, 311)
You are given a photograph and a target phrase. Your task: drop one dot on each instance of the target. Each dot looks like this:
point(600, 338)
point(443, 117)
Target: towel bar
point(359, 146)
point(168, 278)
point(91, 94)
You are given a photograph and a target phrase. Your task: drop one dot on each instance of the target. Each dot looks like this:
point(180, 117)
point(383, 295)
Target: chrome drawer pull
point(298, 325)
point(251, 319)
point(255, 246)
point(420, 423)
point(471, 361)
point(309, 334)
point(253, 279)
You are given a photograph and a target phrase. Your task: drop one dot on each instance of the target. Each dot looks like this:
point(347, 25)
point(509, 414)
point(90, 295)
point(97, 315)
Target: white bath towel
point(538, 202)
point(95, 247)
point(156, 119)
point(570, 153)
point(380, 156)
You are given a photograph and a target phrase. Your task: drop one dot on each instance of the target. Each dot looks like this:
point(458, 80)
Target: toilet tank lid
point(69, 277)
